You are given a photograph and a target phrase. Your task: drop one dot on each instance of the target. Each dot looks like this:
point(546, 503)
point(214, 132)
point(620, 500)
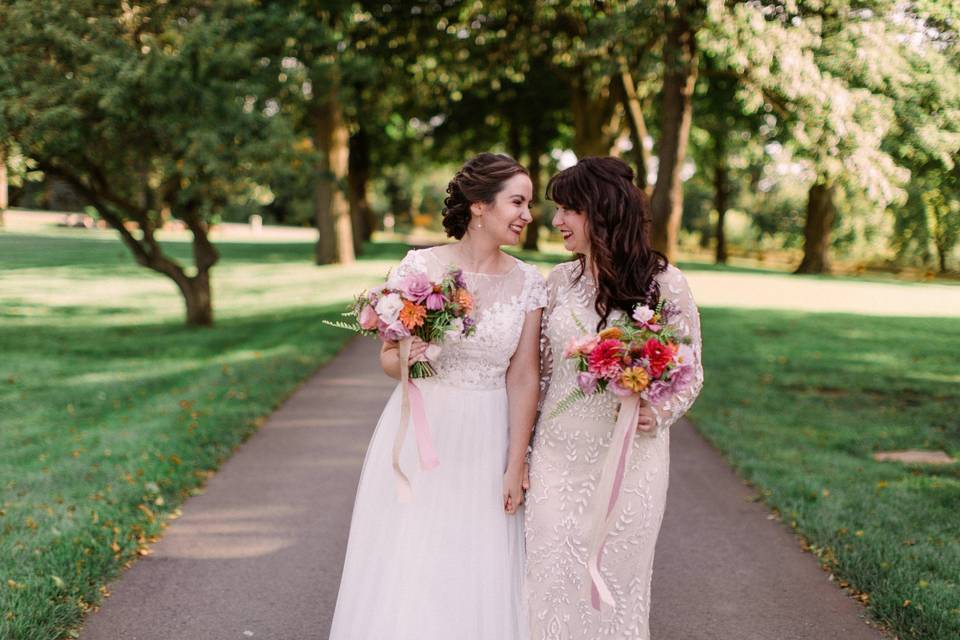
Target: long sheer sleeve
point(674, 287)
point(546, 350)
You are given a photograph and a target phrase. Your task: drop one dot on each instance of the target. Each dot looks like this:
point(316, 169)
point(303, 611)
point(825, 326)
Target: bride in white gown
point(449, 564)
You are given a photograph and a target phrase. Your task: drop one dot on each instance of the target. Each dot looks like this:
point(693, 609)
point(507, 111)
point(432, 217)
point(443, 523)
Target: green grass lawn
point(112, 412)
point(800, 402)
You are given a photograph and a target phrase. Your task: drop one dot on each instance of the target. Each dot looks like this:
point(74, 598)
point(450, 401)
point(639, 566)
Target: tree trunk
point(358, 178)
point(638, 128)
point(331, 209)
point(594, 120)
point(679, 78)
point(816, 234)
point(199, 301)
point(531, 240)
point(721, 194)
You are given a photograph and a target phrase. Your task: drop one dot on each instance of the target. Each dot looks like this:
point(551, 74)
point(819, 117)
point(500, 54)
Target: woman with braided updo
point(449, 563)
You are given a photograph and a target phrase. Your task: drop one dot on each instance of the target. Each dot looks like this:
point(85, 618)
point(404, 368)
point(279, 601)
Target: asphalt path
point(259, 553)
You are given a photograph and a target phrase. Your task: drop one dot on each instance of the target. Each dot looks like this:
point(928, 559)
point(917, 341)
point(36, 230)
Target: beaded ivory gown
point(449, 564)
point(565, 465)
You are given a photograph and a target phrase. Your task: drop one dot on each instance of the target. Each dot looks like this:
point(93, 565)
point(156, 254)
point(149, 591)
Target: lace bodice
point(571, 300)
point(501, 301)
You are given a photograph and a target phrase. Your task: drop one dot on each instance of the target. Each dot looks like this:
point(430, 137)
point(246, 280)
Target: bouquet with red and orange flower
point(641, 357)
point(414, 306)
point(641, 354)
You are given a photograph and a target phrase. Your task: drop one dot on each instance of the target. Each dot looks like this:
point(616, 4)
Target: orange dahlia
point(611, 332)
point(635, 378)
point(412, 314)
point(463, 298)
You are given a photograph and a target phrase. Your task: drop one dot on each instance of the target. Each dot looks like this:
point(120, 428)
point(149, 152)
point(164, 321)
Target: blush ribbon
point(611, 477)
point(411, 402)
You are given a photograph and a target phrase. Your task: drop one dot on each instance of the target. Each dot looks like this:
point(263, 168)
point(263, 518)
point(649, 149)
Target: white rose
point(456, 327)
point(642, 313)
point(389, 307)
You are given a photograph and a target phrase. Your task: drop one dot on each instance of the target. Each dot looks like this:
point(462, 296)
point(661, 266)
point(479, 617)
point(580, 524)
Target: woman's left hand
point(646, 421)
point(513, 489)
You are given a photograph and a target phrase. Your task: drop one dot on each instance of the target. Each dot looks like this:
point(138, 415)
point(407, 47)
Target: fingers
point(525, 478)
point(512, 501)
point(646, 420)
point(417, 351)
point(645, 423)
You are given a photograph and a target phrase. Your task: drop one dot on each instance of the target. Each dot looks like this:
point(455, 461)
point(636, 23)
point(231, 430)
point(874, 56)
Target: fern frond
point(579, 324)
point(349, 326)
point(567, 402)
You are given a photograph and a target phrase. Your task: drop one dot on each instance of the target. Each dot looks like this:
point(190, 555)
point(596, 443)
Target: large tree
point(836, 126)
point(145, 112)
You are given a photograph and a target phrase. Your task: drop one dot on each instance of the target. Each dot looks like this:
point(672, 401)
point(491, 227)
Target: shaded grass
point(800, 402)
point(112, 412)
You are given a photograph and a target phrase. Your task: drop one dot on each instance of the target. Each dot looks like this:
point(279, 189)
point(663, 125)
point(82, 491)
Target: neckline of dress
point(516, 263)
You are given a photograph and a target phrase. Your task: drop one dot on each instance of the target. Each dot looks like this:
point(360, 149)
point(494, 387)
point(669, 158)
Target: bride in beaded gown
point(569, 449)
point(449, 563)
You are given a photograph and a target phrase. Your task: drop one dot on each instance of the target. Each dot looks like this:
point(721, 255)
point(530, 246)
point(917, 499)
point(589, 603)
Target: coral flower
point(604, 360)
point(463, 298)
point(412, 315)
point(613, 333)
point(635, 378)
point(659, 355)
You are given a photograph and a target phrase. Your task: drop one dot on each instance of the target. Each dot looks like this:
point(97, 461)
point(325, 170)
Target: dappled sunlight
point(224, 534)
point(751, 291)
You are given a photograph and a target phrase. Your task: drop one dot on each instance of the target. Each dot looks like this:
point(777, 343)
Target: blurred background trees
point(810, 129)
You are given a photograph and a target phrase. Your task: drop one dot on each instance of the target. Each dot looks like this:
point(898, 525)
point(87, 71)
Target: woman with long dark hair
point(604, 219)
point(448, 564)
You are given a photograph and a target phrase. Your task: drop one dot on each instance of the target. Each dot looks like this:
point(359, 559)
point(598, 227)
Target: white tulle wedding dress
point(448, 565)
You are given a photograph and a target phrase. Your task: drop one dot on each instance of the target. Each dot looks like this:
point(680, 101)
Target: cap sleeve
point(534, 289)
point(413, 262)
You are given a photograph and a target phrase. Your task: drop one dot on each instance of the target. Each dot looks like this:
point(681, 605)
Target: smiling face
point(572, 225)
point(505, 218)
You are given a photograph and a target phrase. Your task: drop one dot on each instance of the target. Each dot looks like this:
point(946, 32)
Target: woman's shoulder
point(673, 281)
point(528, 269)
point(671, 273)
point(564, 272)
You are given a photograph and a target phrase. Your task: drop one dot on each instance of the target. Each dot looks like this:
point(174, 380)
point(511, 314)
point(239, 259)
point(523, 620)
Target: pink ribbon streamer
point(411, 401)
point(611, 479)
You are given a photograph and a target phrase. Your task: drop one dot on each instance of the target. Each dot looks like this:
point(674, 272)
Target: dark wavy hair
point(479, 180)
point(618, 225)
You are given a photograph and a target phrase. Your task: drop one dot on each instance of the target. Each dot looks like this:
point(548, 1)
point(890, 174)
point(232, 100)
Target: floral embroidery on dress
point(565, 465)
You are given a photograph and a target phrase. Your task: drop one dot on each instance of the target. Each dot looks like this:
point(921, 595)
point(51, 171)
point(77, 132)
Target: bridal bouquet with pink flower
point(402, 309)
point(638, 357)
point(414, 306)
point(642, 354)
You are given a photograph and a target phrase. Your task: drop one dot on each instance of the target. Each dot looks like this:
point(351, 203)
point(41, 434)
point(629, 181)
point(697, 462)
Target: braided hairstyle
point(479, 180)
point(618, 223)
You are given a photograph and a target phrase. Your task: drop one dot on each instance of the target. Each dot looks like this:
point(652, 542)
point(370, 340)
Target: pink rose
point(416, 287)
point(395, 331)
point(368, 318)
point(587, 382)
point(580, 346)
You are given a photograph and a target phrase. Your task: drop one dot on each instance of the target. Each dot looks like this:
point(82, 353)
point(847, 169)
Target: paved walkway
point(258, 555)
